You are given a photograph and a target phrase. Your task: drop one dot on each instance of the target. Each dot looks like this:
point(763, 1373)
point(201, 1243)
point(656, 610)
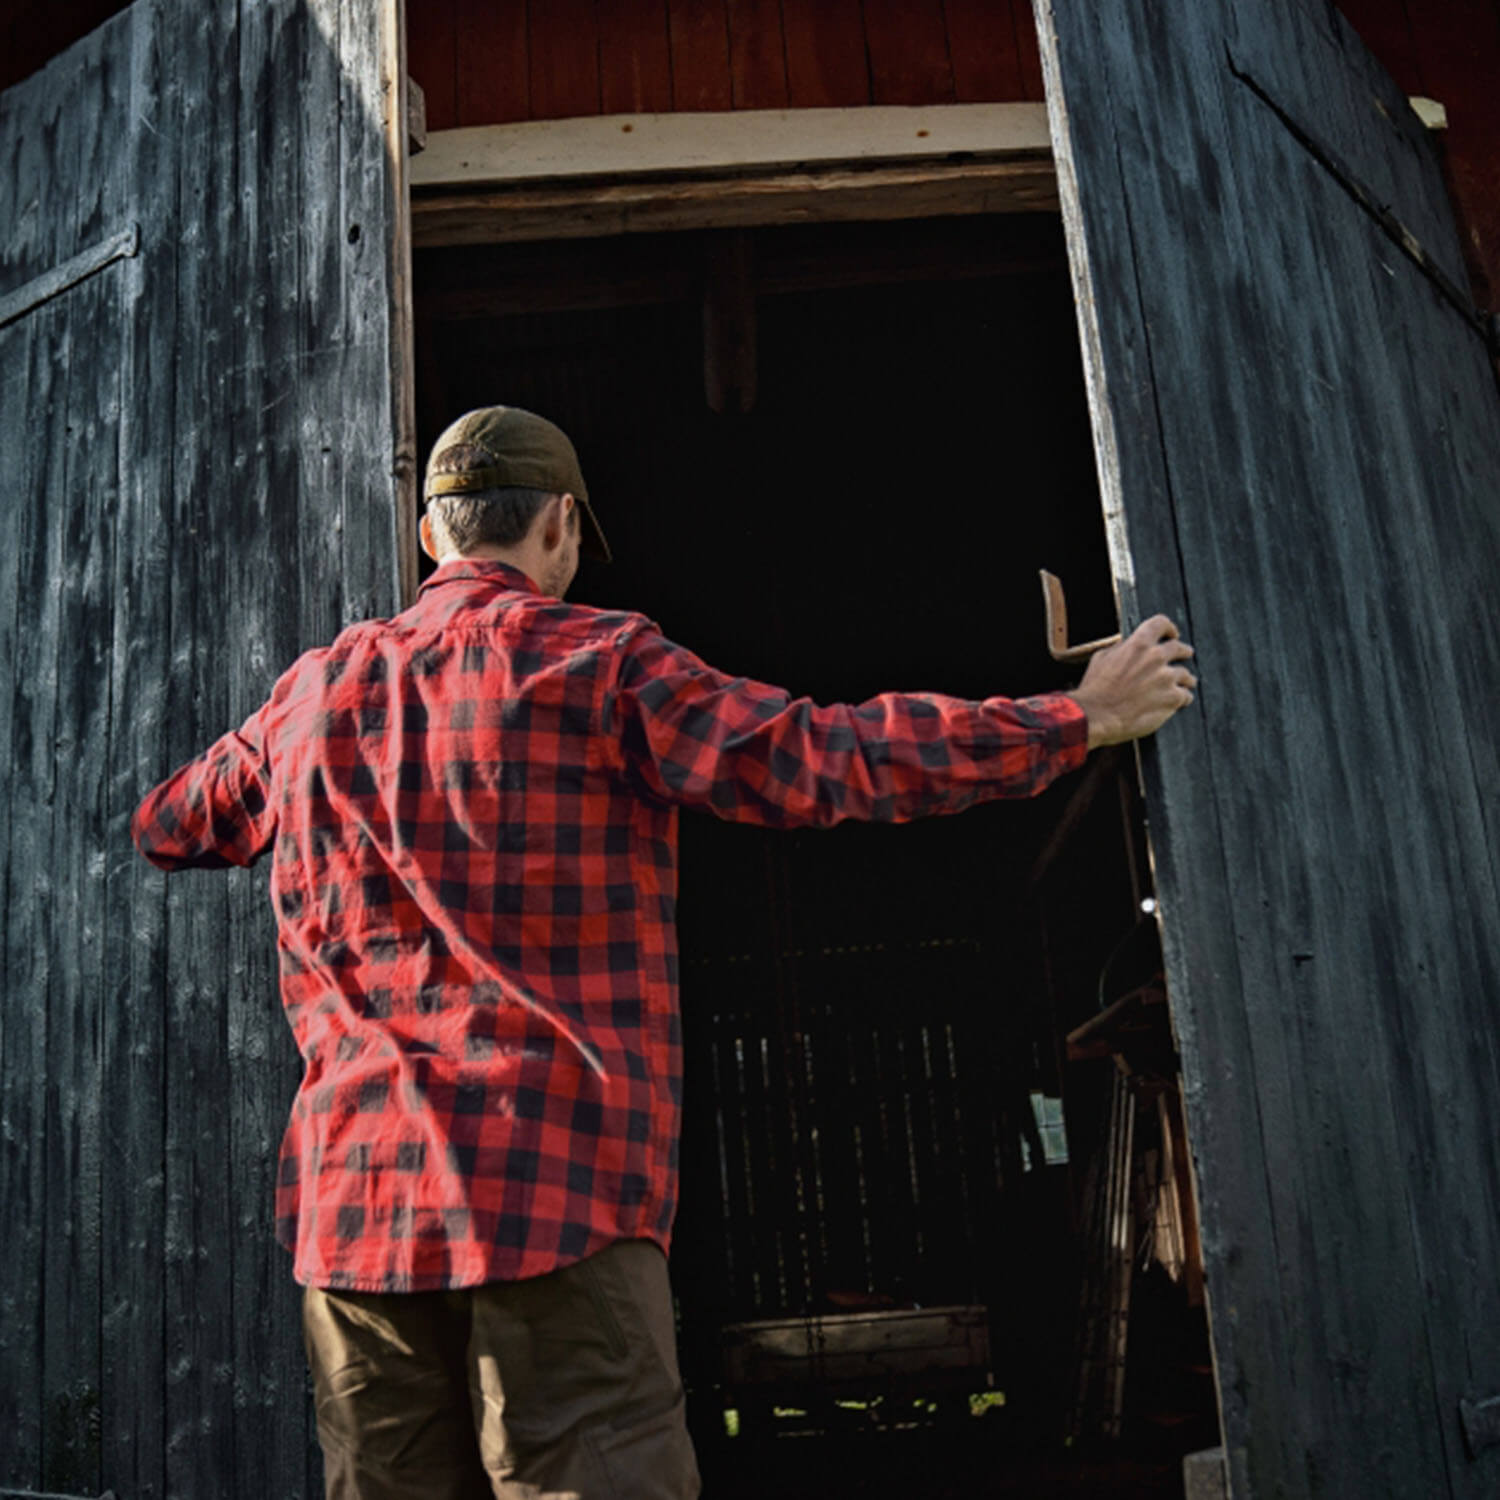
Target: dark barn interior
point(915, 1217)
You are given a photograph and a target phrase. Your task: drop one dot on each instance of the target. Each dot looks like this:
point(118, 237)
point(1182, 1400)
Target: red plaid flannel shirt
point(472, 816)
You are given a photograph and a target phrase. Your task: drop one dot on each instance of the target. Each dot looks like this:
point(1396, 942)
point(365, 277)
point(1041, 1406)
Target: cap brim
point(591, 540)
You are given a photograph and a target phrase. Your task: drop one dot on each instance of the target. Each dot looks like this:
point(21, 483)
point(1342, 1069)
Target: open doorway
point(921, 1233)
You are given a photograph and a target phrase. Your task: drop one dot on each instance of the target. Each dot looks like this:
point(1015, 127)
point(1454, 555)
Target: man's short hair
point(481, 518)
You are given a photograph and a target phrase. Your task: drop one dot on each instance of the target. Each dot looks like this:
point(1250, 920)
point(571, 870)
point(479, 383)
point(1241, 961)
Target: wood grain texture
point(635, 57)
point(1028, 51)
point(1318, 870)
point(189, 513)
point(36, 373)
point(492, 63)
point(81, 522)
point(612, 147)
point(757, 54)
point(827, 196)
point(563, 58)
point(134, 1040)
point(434, 58)
point(827, 63)
point(908, 50)
point(982, 44)
point(698, 31)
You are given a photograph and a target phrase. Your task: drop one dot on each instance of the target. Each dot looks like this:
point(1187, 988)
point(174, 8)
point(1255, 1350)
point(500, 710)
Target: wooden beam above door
point(568, 179)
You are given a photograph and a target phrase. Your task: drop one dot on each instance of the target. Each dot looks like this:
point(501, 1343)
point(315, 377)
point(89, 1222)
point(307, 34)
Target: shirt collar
point(500, 575)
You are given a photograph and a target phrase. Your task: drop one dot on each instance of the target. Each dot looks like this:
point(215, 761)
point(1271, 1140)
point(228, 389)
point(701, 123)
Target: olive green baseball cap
point(517, 448)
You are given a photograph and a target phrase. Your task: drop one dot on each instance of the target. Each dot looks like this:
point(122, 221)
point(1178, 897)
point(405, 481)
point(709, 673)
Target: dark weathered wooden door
point(1298, 438)
point(198, 221)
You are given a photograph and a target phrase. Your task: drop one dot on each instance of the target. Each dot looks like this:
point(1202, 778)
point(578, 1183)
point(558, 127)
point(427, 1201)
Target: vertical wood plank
point(986, 57)
point(290, 173)
point(699, 34)
point(908, 48)
point(493, 71)
point(757, 55)
point(1028, 51)
point(375, 526)
point(635, 57)
point(39, 148)
point(827, 62)
point(563, 58)
point(81, 518)
point(133, 1047)
point(435, 58)
point(199, 1414)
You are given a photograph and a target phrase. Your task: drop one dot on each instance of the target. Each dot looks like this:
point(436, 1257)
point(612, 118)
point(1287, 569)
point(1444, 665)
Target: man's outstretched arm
point(751, 752)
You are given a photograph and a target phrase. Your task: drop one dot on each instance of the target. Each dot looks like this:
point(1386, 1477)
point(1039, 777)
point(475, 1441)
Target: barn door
point(1298, 439)
point(200, 427)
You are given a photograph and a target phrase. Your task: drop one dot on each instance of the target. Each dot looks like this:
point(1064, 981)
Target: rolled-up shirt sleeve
point(213, 812)
point(752, 753)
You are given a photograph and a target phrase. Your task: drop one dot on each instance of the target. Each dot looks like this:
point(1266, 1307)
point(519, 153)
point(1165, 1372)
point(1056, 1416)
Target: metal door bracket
point(1057, 625)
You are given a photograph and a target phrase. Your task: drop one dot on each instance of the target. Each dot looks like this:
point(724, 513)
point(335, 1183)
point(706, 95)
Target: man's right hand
point(1132, 689)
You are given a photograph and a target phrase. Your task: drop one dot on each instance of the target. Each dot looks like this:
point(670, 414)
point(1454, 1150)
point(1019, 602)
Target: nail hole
point(922, 133)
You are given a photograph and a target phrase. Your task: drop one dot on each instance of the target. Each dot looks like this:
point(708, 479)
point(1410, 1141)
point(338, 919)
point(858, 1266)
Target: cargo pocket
point(651, 1459)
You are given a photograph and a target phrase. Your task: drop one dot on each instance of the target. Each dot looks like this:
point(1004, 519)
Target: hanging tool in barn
point(472, 815)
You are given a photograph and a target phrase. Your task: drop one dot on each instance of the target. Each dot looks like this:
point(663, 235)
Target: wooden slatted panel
point(858, 1124)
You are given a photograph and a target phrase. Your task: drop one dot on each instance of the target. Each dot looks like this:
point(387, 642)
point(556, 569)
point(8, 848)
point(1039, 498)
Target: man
point(472, 815)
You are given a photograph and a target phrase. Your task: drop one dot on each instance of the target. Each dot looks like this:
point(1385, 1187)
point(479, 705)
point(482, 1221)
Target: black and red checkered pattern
point(472, 815)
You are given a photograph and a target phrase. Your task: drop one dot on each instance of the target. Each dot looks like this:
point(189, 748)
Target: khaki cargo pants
point(561, 1387)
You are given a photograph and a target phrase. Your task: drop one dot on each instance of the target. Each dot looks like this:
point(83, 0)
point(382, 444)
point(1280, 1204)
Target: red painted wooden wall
point(485, 62)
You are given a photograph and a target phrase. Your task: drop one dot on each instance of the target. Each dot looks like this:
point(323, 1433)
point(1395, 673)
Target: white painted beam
point(625, 146)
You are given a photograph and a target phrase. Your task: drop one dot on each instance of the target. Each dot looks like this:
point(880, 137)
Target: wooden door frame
point(630, 174)
point(398, 95)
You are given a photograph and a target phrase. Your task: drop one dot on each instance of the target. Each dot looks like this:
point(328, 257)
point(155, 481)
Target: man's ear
point(558, 510)
point(424, 532)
